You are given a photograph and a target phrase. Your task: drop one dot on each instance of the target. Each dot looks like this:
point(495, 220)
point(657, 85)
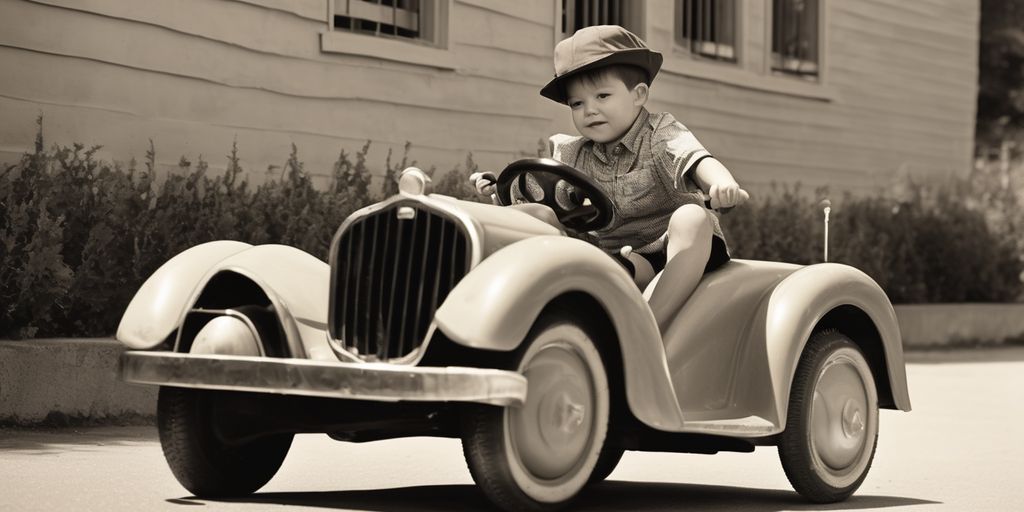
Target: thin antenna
point(826, 205)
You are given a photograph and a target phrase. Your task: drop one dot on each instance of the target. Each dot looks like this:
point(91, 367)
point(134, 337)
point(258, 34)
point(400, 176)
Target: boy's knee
point(690, 219)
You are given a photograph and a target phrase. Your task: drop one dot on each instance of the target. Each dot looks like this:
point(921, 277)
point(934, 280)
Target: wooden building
point(840, 92)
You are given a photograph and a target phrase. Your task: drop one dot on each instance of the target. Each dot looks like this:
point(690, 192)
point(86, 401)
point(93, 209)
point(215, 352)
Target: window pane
point(399, 18)
point(707, 27)
point(795, 37)
point(577, 14)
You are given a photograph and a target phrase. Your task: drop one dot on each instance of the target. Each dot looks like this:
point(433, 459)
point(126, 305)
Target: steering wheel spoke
point(546, 175)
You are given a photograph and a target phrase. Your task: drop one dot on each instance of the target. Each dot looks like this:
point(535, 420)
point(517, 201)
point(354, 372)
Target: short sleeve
point(679, 148)
point(563, 147)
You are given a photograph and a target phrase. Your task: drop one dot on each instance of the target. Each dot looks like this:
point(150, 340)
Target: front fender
point(801, 300)
point(153, 313)
point(297, 284)
point(495, 305)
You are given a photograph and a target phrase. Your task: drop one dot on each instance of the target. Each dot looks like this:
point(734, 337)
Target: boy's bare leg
point(689, 247)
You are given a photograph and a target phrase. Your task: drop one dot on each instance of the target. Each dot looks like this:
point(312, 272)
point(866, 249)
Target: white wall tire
point(832, 423)
point(541, 455)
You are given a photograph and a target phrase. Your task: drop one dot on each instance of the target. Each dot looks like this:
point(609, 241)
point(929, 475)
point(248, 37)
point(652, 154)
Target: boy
point(650, 165)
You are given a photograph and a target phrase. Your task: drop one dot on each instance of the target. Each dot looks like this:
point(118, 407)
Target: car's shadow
point(607, 496)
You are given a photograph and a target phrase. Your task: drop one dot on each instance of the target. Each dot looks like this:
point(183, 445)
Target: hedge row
point(78, 235)
point(932, 246)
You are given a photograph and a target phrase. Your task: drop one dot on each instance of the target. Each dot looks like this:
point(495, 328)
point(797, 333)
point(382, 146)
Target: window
point(707, 28)
point(403, 19)
point(577, 14)
point(407, 31)
point(795, 37)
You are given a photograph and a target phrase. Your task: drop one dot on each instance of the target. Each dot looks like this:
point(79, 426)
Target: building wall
point(194, 75)
point(897, 95)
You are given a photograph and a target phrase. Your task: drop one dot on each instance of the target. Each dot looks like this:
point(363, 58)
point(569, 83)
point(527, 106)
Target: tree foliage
point(1001, 72)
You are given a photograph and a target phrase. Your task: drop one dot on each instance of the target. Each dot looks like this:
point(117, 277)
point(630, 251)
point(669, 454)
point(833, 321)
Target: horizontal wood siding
point(904, 76)
point(181, 75)
point(195, 75)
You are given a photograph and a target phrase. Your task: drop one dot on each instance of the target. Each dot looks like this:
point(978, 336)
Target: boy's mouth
point(596, 123)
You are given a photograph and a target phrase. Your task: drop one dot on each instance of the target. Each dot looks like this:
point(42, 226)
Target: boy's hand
point(483, 182)
point(727, 196)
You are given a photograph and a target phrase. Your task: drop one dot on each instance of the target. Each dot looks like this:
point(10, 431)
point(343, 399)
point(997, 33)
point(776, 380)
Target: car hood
point(499, 226)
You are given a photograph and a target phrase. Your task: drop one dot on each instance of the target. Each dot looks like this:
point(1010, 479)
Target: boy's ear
point(640, 94)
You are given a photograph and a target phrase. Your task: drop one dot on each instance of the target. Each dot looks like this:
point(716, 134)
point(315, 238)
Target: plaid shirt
point(646, 174)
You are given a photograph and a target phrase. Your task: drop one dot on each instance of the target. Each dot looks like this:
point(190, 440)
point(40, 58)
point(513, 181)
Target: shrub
point(79, 236)
point(931, 246)
point(33, 273)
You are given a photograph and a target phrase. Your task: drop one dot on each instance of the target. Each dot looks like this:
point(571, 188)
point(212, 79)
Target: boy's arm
point(711, 176)
point(687, 159)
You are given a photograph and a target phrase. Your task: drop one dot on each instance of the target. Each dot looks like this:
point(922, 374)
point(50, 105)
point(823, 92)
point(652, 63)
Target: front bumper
point(357, 381)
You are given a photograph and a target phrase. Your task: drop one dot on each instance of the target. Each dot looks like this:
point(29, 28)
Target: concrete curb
point(68, 381)
point(73, 381)
point(944, 325)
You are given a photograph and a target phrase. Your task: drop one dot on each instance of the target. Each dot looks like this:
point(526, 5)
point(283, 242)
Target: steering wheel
point(576, 199)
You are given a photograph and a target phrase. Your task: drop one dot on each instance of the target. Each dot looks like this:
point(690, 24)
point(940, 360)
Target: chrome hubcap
point(552, 430)
point(853, 420)
point(838, 414)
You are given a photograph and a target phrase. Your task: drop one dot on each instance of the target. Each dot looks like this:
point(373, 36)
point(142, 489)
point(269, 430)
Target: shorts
point(719, 255)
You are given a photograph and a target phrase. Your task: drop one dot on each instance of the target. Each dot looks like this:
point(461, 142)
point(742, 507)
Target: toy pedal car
point(440, 317)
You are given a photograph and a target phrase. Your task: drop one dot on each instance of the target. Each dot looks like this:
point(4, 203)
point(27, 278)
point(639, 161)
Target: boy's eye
point(603, 95)
point(574, 104)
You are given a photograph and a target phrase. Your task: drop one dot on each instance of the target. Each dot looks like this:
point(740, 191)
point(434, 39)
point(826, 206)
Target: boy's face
point(603, 110)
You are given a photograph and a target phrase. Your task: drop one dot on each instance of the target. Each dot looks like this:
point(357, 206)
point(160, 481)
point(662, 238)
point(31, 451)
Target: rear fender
point(155, 310)
point(495, 305)
point(798, 305)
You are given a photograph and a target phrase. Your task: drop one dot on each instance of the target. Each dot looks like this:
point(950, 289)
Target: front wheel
point(203, 463)
point(832, 423)
point(540, 455)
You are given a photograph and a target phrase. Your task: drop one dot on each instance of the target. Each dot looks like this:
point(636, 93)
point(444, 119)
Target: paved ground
point(960, 449)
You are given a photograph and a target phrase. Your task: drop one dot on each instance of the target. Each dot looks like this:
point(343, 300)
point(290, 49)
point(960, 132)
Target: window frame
point(433, 52)
point(753, 67)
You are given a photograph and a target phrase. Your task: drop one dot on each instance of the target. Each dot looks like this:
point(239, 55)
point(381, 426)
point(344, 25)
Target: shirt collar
point(630, 141)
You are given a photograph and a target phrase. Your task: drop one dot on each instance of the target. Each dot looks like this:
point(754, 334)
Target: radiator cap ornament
point(413, 181)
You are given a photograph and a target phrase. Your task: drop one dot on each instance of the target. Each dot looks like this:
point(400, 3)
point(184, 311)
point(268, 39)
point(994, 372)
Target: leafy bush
point(79, 236)
point(934, 245)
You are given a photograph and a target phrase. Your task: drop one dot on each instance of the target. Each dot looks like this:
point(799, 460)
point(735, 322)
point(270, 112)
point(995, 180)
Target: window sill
point(409, 52)
point(732, 74)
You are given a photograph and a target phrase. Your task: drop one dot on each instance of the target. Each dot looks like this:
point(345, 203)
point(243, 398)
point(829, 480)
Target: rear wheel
point(205, 464)
point(540, 455)
point(832, 423)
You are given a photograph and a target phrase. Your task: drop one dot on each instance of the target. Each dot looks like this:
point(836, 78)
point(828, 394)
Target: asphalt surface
point(960, 449)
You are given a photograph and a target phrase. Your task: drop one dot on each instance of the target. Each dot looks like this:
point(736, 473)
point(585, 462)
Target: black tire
point(606, 463)
point(832, 423)
point(539, 456)
point(202, 463)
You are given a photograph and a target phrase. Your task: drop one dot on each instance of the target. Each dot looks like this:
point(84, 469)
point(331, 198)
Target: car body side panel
point(494, 306)
point(297, 284)
point(152, 314)
point(708, 341)
point(802, 299)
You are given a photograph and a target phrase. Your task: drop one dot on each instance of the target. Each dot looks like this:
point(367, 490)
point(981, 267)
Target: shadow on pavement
point(607, 496)
point(50, 441)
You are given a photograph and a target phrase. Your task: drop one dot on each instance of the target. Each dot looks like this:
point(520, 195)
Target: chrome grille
point(390, 275)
